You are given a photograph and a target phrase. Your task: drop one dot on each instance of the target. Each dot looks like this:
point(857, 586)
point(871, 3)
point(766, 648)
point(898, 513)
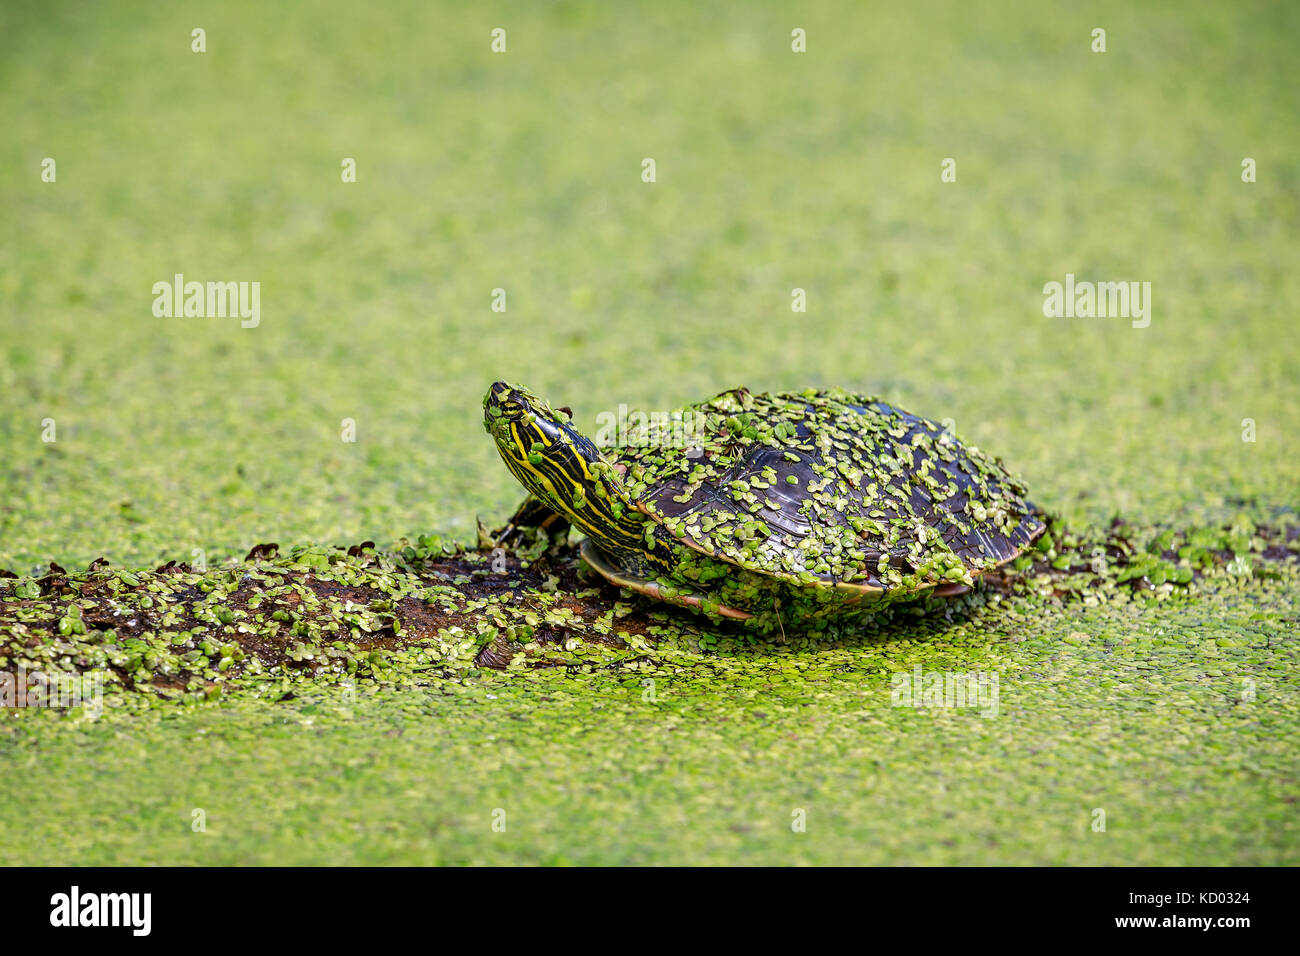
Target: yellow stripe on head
point(565, 471)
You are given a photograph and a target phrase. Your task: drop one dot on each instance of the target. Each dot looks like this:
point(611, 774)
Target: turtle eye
point(506, 401)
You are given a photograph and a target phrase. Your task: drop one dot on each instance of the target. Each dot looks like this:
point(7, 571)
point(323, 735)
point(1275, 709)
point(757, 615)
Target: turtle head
point(556, 463)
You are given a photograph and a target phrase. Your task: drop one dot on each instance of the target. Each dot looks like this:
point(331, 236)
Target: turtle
point(775, 509)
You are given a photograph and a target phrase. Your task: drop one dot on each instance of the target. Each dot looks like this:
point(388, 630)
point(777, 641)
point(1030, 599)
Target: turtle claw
point(531, 519)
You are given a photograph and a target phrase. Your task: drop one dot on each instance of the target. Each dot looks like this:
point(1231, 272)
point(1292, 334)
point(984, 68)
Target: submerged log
point(433, 610)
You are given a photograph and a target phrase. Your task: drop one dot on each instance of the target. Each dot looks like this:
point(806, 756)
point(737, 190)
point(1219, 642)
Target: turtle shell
point(828, 488)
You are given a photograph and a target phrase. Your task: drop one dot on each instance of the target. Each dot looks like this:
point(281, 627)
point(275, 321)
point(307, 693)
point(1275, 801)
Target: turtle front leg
point(531, 517)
